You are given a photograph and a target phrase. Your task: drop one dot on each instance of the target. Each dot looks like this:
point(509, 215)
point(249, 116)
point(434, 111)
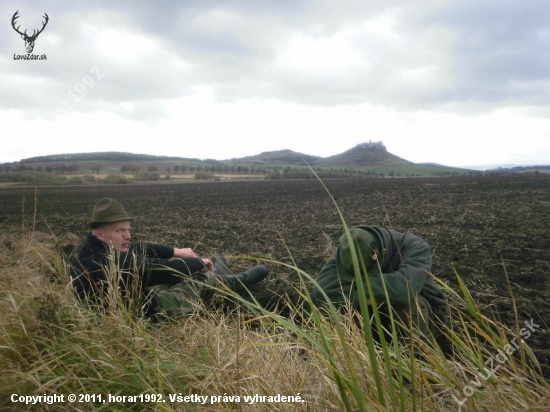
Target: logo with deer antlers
point(29, 40)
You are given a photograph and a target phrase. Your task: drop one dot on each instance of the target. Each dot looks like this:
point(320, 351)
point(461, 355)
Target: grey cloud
point(498, 51)
point(458, 55)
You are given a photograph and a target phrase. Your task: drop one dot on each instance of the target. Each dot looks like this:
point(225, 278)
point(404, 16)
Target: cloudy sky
point(457, 82)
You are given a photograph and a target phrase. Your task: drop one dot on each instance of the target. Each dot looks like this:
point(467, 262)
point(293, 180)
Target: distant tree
point(176, 169)
point(60, 168)
point(96, 168)
point(134, 169)
point(152, 168)
point(168, 170)
point(183, 168)
point(48, 168)
point(125, 168)
point(72, 168)
point(191, 169)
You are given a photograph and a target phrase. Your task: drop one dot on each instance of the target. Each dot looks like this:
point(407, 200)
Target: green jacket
point(405, 267)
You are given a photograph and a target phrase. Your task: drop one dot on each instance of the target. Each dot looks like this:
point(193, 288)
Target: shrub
point(275, 175)
point(115, 178)
point(76, 180)
point(204, 175)
point(147, 177)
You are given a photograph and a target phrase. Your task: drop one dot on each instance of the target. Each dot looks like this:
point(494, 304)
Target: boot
point(241, 280)
point(247, 278)
point(220, 265)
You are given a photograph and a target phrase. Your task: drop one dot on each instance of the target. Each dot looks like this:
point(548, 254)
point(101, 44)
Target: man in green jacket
point(161, 280)
point(400, 261)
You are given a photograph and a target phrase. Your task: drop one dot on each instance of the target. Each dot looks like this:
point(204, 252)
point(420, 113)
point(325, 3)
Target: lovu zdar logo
point(29, 40)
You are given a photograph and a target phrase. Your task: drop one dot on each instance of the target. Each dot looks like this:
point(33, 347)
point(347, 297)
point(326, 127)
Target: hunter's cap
point(368, 245)
point(107, 211)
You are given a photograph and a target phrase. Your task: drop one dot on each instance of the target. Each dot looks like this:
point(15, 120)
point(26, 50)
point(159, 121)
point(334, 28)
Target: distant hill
point(364, 154)
point(276, 157)
point(102, 156)
point(370, 158)
point(524, 168)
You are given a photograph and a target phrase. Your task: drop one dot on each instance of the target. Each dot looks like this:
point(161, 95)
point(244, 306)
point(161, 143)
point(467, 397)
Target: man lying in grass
point(164, 281)
point(399, 261)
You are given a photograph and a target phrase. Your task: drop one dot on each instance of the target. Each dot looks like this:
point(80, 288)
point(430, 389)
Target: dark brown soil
point(484, 227)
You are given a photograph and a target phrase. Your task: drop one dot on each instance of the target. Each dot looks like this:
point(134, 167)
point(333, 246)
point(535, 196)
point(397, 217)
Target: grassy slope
point(50, 344)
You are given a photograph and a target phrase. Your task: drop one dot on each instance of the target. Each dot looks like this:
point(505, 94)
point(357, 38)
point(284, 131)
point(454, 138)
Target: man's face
point(116, 234)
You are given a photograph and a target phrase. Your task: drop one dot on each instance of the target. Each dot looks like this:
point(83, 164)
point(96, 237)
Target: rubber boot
point(220, 265)
point(241, 280)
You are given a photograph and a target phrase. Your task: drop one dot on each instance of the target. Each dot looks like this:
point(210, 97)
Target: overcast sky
point(456, 82)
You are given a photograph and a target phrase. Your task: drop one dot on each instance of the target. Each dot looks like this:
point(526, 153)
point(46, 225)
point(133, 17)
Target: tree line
point(102, 156)
point(58, 168)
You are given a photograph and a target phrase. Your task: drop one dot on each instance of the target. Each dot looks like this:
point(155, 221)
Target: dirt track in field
point(485, 227)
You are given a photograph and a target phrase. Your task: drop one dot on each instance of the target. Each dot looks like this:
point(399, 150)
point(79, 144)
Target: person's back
point(398, 267)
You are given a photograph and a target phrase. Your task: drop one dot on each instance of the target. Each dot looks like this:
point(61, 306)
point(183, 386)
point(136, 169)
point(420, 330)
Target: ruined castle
point(371, 145)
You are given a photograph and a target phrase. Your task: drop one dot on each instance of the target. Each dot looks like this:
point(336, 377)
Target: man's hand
point(188, 253)
point(184, 253)
point(208, 264)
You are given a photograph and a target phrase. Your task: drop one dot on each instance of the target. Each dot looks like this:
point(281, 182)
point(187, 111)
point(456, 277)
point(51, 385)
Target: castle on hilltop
point(372, 145)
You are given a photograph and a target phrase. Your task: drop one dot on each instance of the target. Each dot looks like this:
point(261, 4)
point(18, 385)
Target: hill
point(364, 154)
point(278, 156)
point(370, 158)
point(102, 156)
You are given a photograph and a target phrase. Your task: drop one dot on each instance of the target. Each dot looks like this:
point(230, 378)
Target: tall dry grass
point(50, 344)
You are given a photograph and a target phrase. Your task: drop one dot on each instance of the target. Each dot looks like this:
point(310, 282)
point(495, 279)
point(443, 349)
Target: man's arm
point(411, 275)
point(154, 250)
point(336, 288)
point(189, 253)
point(184, 253)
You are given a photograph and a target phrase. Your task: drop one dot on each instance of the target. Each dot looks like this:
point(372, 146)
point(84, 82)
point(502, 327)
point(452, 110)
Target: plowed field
point(484, 227)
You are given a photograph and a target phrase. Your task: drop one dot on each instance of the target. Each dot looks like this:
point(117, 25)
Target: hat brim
point(112, 220)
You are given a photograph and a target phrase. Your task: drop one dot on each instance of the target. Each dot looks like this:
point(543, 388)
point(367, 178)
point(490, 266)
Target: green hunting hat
point(108, 211)
point(366, 242)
